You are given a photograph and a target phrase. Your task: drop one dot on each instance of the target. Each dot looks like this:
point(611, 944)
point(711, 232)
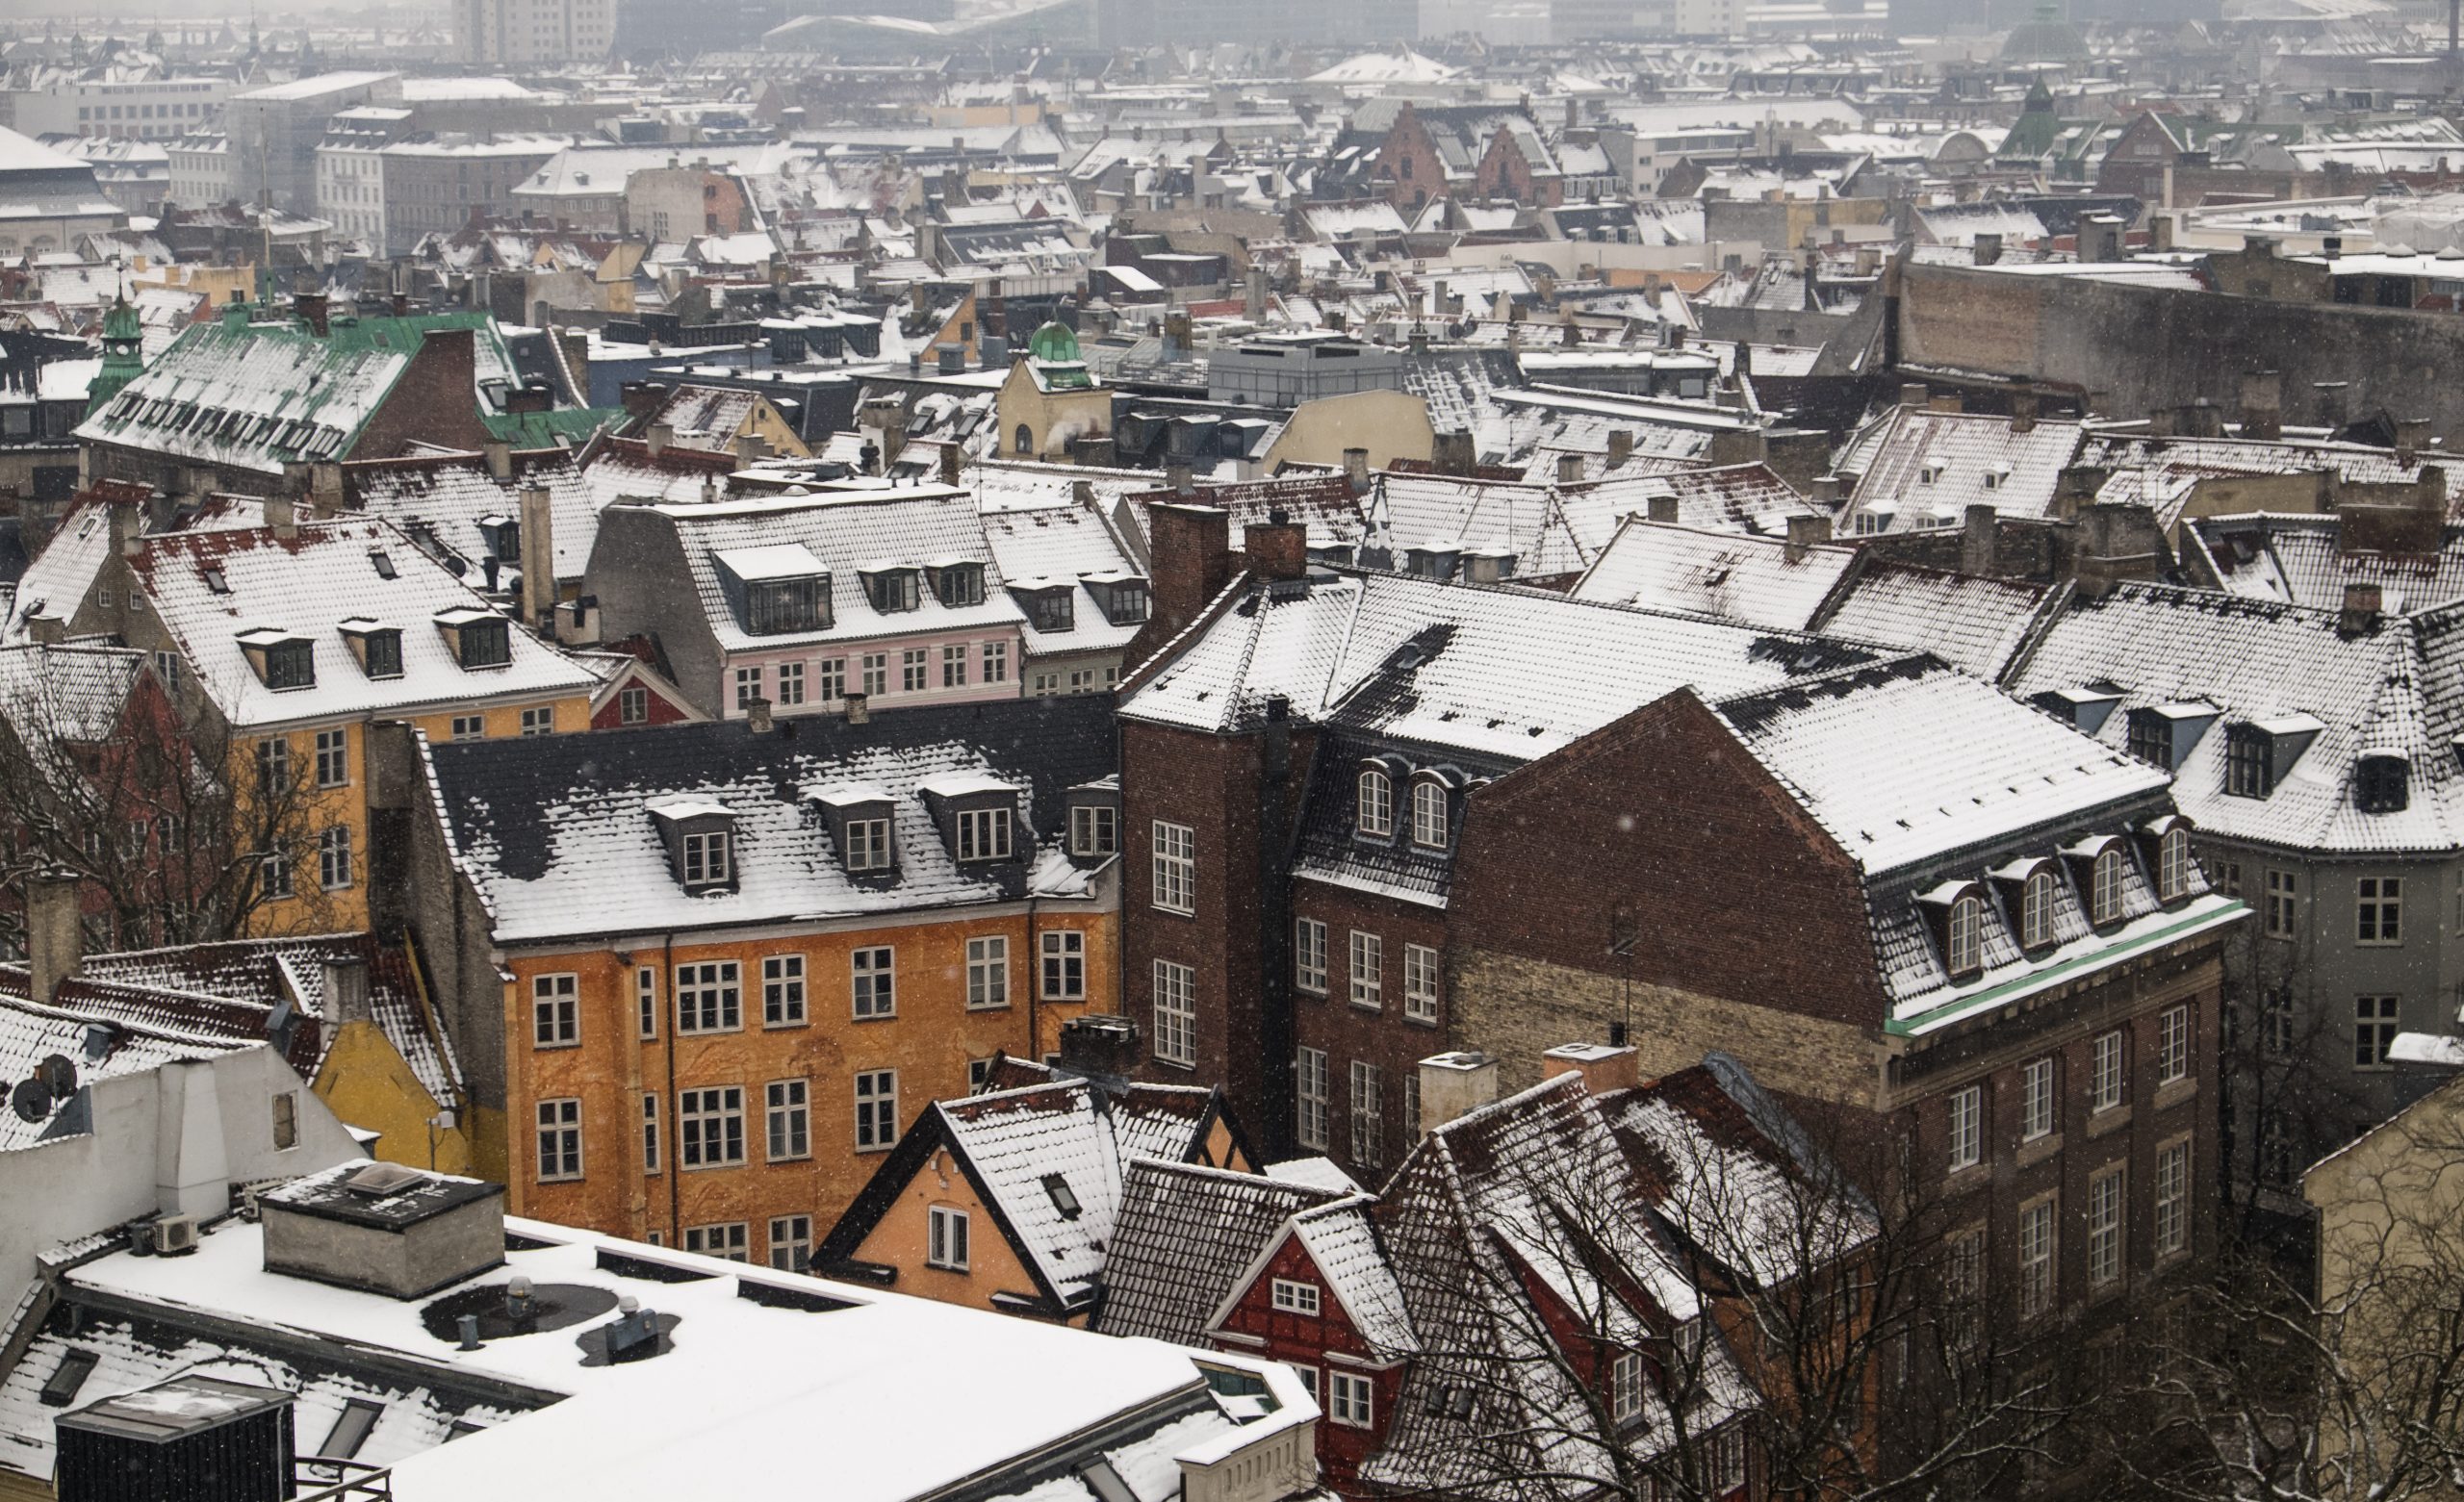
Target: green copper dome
point(1054, 344)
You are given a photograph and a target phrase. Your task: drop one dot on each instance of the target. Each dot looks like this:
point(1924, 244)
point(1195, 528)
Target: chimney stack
point(1569, 468)
point(1456, 1085)
point(2023, 407)
point(2263, 405)
point(1278, 549)
point(1912, 393)
point(757, 715)
point(500, 456)
point(1621, 446)
point(55, 933)
point(1978, 540)
point(1603, 1067)
point(2361, 609)
point(347, 991)
point(860, 708)
point(282, 515)
point(659, 435)
point(538, 556)
point(1356, 470)
point(1660, 510)
point(1804, 533)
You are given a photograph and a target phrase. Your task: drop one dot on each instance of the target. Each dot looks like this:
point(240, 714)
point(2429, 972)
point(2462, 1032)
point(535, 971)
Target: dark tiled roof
point(1182, 1234)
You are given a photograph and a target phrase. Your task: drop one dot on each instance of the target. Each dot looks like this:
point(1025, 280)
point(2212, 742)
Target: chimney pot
point(859, 709)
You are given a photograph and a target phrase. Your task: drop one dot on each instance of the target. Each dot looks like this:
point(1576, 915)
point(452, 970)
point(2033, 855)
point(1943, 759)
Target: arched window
point(1966, 948)
point(2174, 864)
point(2105, 900)
point(1428, 814)
point(1376, 804)
point(2035, 911)
point(1026, 438)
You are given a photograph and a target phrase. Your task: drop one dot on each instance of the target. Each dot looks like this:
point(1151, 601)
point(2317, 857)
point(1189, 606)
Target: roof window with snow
point(1121, 596)
point(699, 835)
point(890, 587)
point(377, 647)
point(2164, 735)
point(1955, 913)
point(2100, 868)
point(1435, 561)
point(503, 537)
point(2382, 782)
point(478, 638)
point(1051, 604)
point(280, 660)
point(860, 817)
point(1375, 788)
point(2084, 709)
point(977, 815)
point(775, 590)
point(957, 583)
point(1094, 820)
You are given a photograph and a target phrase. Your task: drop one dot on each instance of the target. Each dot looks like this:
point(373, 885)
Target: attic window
point(2151, 738)
point(382, 562)
point(1063, 1198)
point(1929, 474)
point(2105, 898)
point(1965, 952)
point(2036, 910)
point(1121, 596)
point(1294, 1297)
point(379, 649)
point(351, 1431)
point(867, 845)
point(217, 581)
point(699, 834)
point(60, 1387)
point(2249, 762)
point(282, 661)
point(1051, 607)
point(2173, 865)
point(503, 535)
point(1375, 800)
point(957, 583)
point(891, 591)
point(478, 638)
point(2382, 785)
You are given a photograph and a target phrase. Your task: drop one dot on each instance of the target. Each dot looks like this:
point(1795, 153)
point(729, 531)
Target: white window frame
point(646, 1001)
point(1309, 955)
point(1174, 874)
point(727, 1241)
point(539, 720)
point(2037, 1099)
point(876, 1109)
point(1309, 1095)
point(867, 845)
point(2036, 910)
point(716, 988)
point(2174, 1044)
point(1964, 954)
point(1365, 975)
point(559, 1144)
point(333, 757)
point(1367, 1114)
point(652, 1162)
point(1964, 1142)
point(555, 1010)
point(2106, 1060)
point(2108, 1200)
point(2105, 896)
point(2172, 1224)
point(997, 662)
point(1432, 817)
point(2281, 914)
point(710, 1127)
point(787, 1121)
point(1095, 830)
point(948, 1232)
point(789, 1234)
point(1292, 1296)
point(334, 862)
point(783, 991)
point(1175, 1013)
point(2172, 864)
point(872, 982)
point(791, 683)
point(987, 972)
point(1373, 804)
point(2038, 1234)
point(2375, 1021)
point(707, 857)
point(1420, 983)
point(2378, 912)
point(1351, 1399)
point(983, 833)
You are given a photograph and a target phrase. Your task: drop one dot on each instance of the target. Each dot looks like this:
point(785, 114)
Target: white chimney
point(1456, 1085)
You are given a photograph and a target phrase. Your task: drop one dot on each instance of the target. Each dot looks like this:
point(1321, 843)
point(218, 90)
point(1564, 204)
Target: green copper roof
point(123, 354)
point(541, 429)
point(1054, 343)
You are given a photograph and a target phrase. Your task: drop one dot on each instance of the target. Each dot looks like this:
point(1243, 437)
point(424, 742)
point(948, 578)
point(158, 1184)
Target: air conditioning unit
point(175, 1234)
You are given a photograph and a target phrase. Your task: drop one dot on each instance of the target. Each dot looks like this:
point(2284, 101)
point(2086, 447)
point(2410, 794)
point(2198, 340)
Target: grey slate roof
point(1182, 1234)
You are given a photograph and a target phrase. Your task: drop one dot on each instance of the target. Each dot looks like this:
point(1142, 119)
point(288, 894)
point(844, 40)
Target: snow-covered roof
point(1183, 1233)
point(1919, 467)
point(443, 498)
point(1751, 580)
point(2305, 560)
point(1968, 620)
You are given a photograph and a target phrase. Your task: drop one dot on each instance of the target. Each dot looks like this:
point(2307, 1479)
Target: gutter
point(2230, 912)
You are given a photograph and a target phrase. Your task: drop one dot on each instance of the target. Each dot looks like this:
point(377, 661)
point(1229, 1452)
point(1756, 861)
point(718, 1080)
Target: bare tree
point(179, 830)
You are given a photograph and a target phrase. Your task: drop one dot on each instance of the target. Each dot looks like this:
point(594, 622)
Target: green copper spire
point(123, 354)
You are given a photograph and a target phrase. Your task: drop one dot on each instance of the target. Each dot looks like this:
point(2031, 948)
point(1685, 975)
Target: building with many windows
point(497, 32)
point(703, 976)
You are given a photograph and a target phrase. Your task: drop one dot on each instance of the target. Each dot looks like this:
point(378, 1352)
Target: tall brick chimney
point(1278, 549)
point(1190, 548)
point(55, 933)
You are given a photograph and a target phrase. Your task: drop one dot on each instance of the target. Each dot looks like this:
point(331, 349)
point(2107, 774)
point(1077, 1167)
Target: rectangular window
point(867, 844)
point(987, 972)
point(2104, 1226)
point(633, 707)
point(945, 1238)
point(1309, 955)
point(1175, 873)
point(2379, 911)
point(333, 758)
point(1065, 965)
point(2105, 1071)
point(555, 1012)
point(1310, 1091)
point(790, 1241)
point(2036, 1258)
point(707, 997)
point(1291, 1296)
point(1175, 1013)
point(539, 720)
point(2173, 1198)
point(1095, 830)
point(333, 858)
point(273, 873)
point(954, 667)
point(2373, 1031)
point(2283, 888)
point(2173, 1045)
point(1367, 976)
point(650, 1134)
point(726, 1240)
point(2036, 1099)
point(789, 1120)
point(874, 979)
point(1420, 983)
point(911, 670)
point(706, 858)
point(783, 991)
point(997, 662)
point(983, 833)
point(831, 684)
point(560, 1139)
point(646, 1001)
point(876, 1109)
point(2275, 1022)
point(1350, 1400)
point(1367, 1114)
point(791, 683)
point(709, 1126)
point(1968, 1128)
point(876, 674)
point(470, 727)
point(273, 767)
point(748, 685)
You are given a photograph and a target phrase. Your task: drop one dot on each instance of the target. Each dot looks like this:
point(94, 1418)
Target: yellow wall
point(764, 423)
point(902, 1238)
point(1051, 417)
point(368, 1086)
point(1391, 426)
point(930, 1043)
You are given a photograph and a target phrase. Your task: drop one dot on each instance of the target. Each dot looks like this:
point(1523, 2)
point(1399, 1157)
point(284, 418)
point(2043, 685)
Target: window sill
point(2113, 1118)
point(1175, 1063)
point(552, 1048)
point(876, 1017)
point(1973, 1176)
point(1374, 1009)
point(1419, 1022)
point(788, 1026)
point(2036, 1149)
point(1176, 912)
point(2168, 1096)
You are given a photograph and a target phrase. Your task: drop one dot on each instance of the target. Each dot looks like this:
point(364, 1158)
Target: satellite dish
point(58, 1075)
point(31, 1101)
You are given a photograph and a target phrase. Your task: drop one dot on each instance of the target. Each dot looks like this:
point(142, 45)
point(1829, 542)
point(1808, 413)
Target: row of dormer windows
point(1426, 813)
point(2099, 866)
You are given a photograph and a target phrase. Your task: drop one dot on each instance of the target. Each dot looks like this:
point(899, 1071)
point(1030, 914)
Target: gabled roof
point(2303, 560)
point(72, 693)
point(305, 585)
point(1048, 1161)
point(1751, 580)
point(1341, 1242)
point(1918, 468)
point(1067, 542)
point(1183, 1232)
point(1968, 620)
point(439, 499)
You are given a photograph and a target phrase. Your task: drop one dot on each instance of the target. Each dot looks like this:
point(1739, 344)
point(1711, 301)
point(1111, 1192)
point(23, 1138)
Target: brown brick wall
point(1383, 1037)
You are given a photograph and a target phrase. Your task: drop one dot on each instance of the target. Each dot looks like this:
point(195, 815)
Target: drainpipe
point(669, 1158)
point(1277, 1033)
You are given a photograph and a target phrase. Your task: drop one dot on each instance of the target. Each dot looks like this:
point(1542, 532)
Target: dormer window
point(776, 589)
point(699, 835)
point(1121, 596)
point(957, 583)
point(504, 536)
point(2036, 910)
point(2104, 904)
point(858, 818)
point(282, 661)
point(1375, 818)
point(975, 813)
point(1050, 604)
point(2248, 762)
point(478, 638)
point(1929, 474)
point(382, 562)
point(892, 589)
point(983, 833)
point(2151, 738)
point(1963, 953)
point(1095, 830)
point(2381, 783)
point(2173, 865)
point(1431, 816)
point(867, 845)
point(377, 647)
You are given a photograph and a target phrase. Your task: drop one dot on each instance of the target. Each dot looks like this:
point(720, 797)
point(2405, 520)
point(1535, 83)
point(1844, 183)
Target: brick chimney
point(1453, 453)
point(538, 555)
point(1189, 561)
point(1278, 549)
point(641, 398)
point(2263, 405)
point(1099, 1047)
point(1977, 541)
point(2361, 609)
point(312, 310)
point(1603, 1067)
point(1456, 1085)
point(55, 932)
point(1804, 533)
point(2023, 408)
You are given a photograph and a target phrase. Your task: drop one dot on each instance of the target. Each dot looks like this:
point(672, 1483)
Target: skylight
point(1063, 1198)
